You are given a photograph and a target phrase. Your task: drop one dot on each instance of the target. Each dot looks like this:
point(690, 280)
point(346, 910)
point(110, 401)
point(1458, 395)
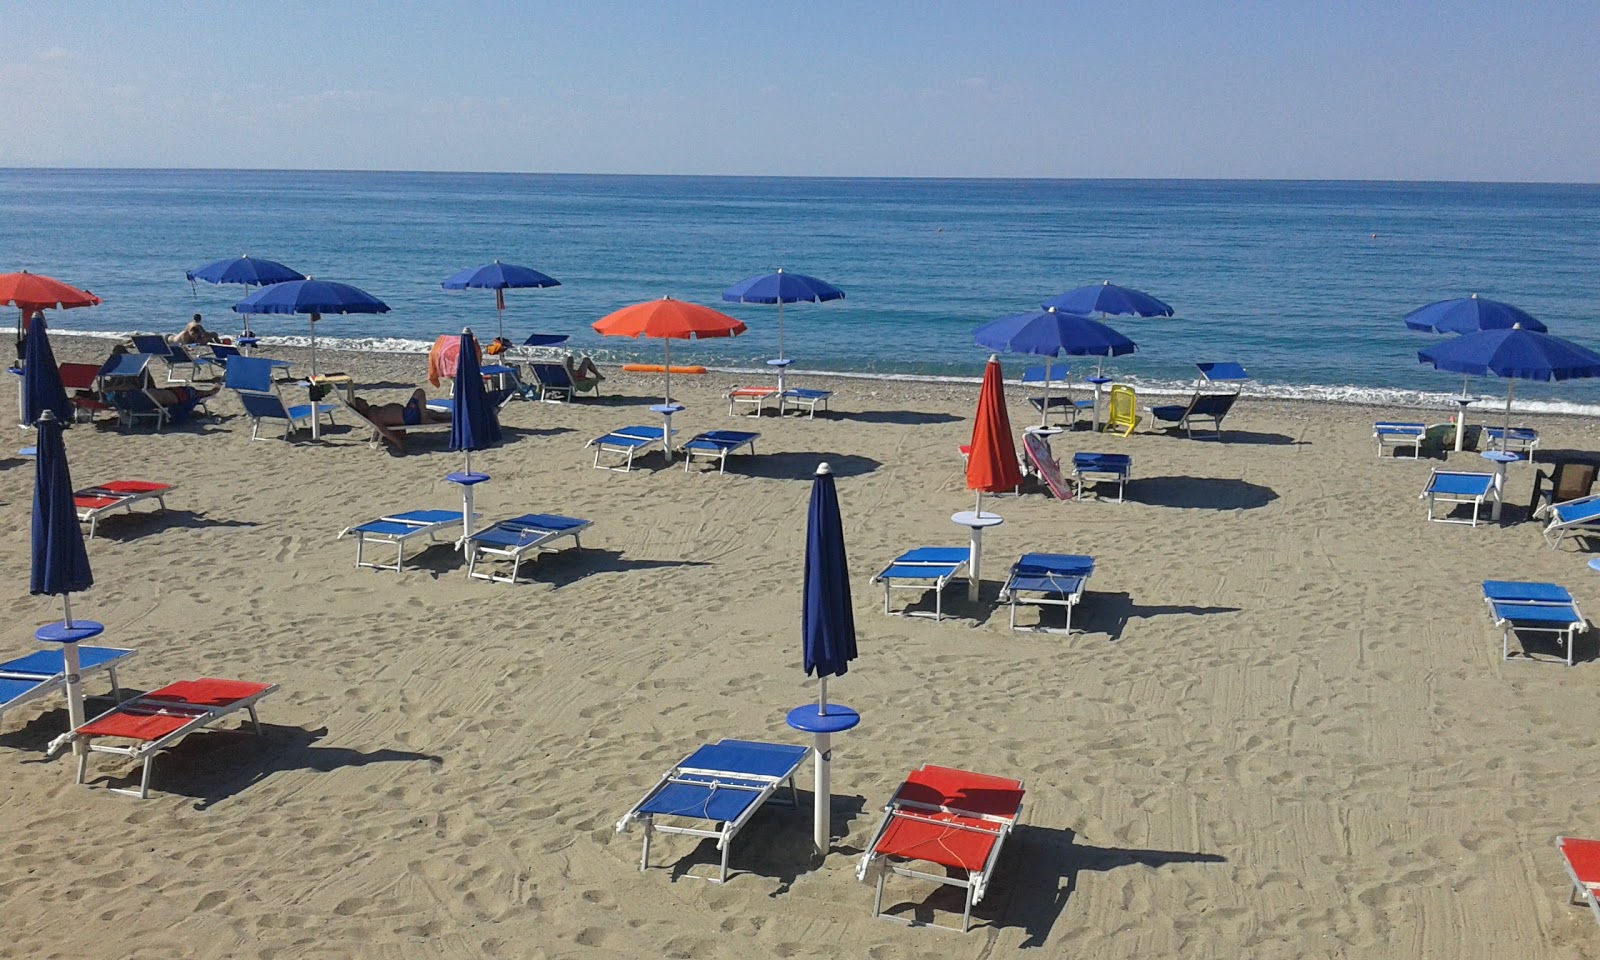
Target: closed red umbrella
point(992, 464)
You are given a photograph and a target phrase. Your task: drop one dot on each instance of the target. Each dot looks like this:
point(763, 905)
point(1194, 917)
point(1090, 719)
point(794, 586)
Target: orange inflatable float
point(660, 368)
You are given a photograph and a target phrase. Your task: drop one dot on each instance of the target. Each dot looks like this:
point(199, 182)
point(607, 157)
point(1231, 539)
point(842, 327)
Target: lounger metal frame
point(1435, 497)
point(145, 751)
point(46, 684)
point(1064, 589)
point(764, 787)
point(1394, 434)
point(1552, 611)
point(949, 571)
point(715, 445)
point(123, 500)
point(628, 441)
point(1522, 440)
point(532, 539)
point(410, 525)
point(1585, 524)
point(1102, 466)
point(753, 396)
point(802, 397)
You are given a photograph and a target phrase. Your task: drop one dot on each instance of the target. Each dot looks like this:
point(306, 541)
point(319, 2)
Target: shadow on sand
point(784, 852)
point(1200, 493)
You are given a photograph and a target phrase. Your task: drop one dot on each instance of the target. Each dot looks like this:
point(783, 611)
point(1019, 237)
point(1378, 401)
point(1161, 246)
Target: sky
point(1398, 90)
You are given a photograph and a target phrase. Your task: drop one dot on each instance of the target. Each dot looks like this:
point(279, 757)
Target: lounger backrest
point(1039, 455)
point(120, 365)
point(151, 343)
point(1573, 480)
point(263, 406)
point(1124, 408)
point(1212, 405)
point(79, 376)
point(1037, 374)
point(224, 351)
point(551, 375)
point(248, 373)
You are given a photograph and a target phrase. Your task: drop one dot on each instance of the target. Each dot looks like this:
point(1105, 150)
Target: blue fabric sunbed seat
point(1515, 440)
point(1101, 466)
point(716, 445)
point(804, 398)
point(520, 537)
point(398, 529)
point(1453, 487)
point(1391, 434)
point(923, 568)
point(1211, 407)
point(627, 442)
point(43, 672)
point(1062, 402)
point(1577, 518)
point(1048, 579)
point(721, 784)
point(1524, 607)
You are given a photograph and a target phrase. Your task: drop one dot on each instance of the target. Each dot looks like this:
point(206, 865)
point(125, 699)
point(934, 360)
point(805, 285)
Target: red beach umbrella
point(668, 320)
point(33, 291)
point(992, 464)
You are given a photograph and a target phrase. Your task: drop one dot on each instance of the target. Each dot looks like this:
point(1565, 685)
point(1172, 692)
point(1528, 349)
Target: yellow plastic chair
point(1122, 415)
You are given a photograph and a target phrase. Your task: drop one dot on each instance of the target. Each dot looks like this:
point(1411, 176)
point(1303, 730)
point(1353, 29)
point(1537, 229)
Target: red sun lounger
point(95, 502)
point(161, 718)
point(1582, 858)
point(953, 819)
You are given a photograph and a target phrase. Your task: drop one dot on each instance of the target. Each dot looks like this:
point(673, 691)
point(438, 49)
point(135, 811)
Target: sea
point(1304, 283)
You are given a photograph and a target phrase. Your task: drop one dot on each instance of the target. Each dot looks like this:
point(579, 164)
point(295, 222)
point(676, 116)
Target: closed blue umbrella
point(781, 288)
point(498, 277)
point(1108, 298)
point(41, 378)
point(60, 564)
point(827, 636)
point(1469, 315)
point(473, 422)
point(1051, 333)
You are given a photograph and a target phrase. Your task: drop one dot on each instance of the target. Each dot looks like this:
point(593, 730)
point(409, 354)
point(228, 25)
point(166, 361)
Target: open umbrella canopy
point(1108, 298)
point(41, 378)
point(1053, 332)
point(668, 319)
point(827, 620)
point(1514, 353)
point(1469, 315)
point(245, 270)
point(33, 291)
point(310, 296)
point(60, 563)
point(992, 463)
point(498, 276)
point(782, 287)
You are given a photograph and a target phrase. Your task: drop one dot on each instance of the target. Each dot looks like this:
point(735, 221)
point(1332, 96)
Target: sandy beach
point(1285, 729)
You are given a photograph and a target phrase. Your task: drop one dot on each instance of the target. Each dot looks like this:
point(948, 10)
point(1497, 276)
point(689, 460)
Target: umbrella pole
point(1505, 438)
point(780, 330)
point(74, 680)
point(316, 419)
point(666, 401)
point(822, 800)
point(1044, 415)
point(500, 311)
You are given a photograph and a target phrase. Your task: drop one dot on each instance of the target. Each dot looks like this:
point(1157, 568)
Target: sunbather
point(413, 412)
point(584, 373)
point(195, 333)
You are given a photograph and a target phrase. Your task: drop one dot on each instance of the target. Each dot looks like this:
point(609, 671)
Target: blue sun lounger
point(514, 539)
point(1101, 466)
point(1523, 607)
point(43, 672)
point(804, 398)
point(1049, 580)
point(721, 784)
point(1578, 518)
point(398, 529)
point(1394, 435)
point(628, 442)
point(1452, 487)
point(923, 567)
point(716, 445)
point(1515, 440)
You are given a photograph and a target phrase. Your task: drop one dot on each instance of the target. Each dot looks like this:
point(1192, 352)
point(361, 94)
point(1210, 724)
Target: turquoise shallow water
point(1304, 283)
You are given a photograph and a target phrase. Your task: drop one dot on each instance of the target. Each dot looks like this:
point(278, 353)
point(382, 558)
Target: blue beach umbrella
point(245, 270)
point(60, 564)
point(1514, 354)
point(313, 297)
point(498, 277)
point(473, 423)
point(781, 288)
point(41, 378)
point(1469, 315)
point(827, 637)
point(1108, 299)
point(1051, 333)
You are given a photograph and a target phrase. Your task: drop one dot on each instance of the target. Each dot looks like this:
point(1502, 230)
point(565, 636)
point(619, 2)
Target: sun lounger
point(171, 355)
point(162, 717)
point(753, 397)
point(1210, 407)
point(555, 384)
point(1391, 435)
point(43, 672)
point(518, 538)
point(1095, 467)
point(716, 445)
point(804, 398)
point(1582, 859)
point(1452, 487)
point(628, 442)
point(376, 438)
point(719, 786)
point(82, 383)
point(1047, 580)
point(1575, 518)
point(953, 819)
point(399, 529)
point(221, 353)
point(1568, 480)
point(1521, 607)
point(1037, 450)
point(95, 502)
point(1063, 402)
point(1516, 440)
point(1122, 410)
point(922, 568)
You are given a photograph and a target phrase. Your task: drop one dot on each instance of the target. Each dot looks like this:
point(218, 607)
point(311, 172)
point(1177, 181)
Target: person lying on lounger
point(409, 414)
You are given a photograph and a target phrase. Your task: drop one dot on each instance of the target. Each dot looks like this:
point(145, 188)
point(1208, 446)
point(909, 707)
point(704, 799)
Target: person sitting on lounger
point(195, 333)
point(413, 412)
point(585, 375)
